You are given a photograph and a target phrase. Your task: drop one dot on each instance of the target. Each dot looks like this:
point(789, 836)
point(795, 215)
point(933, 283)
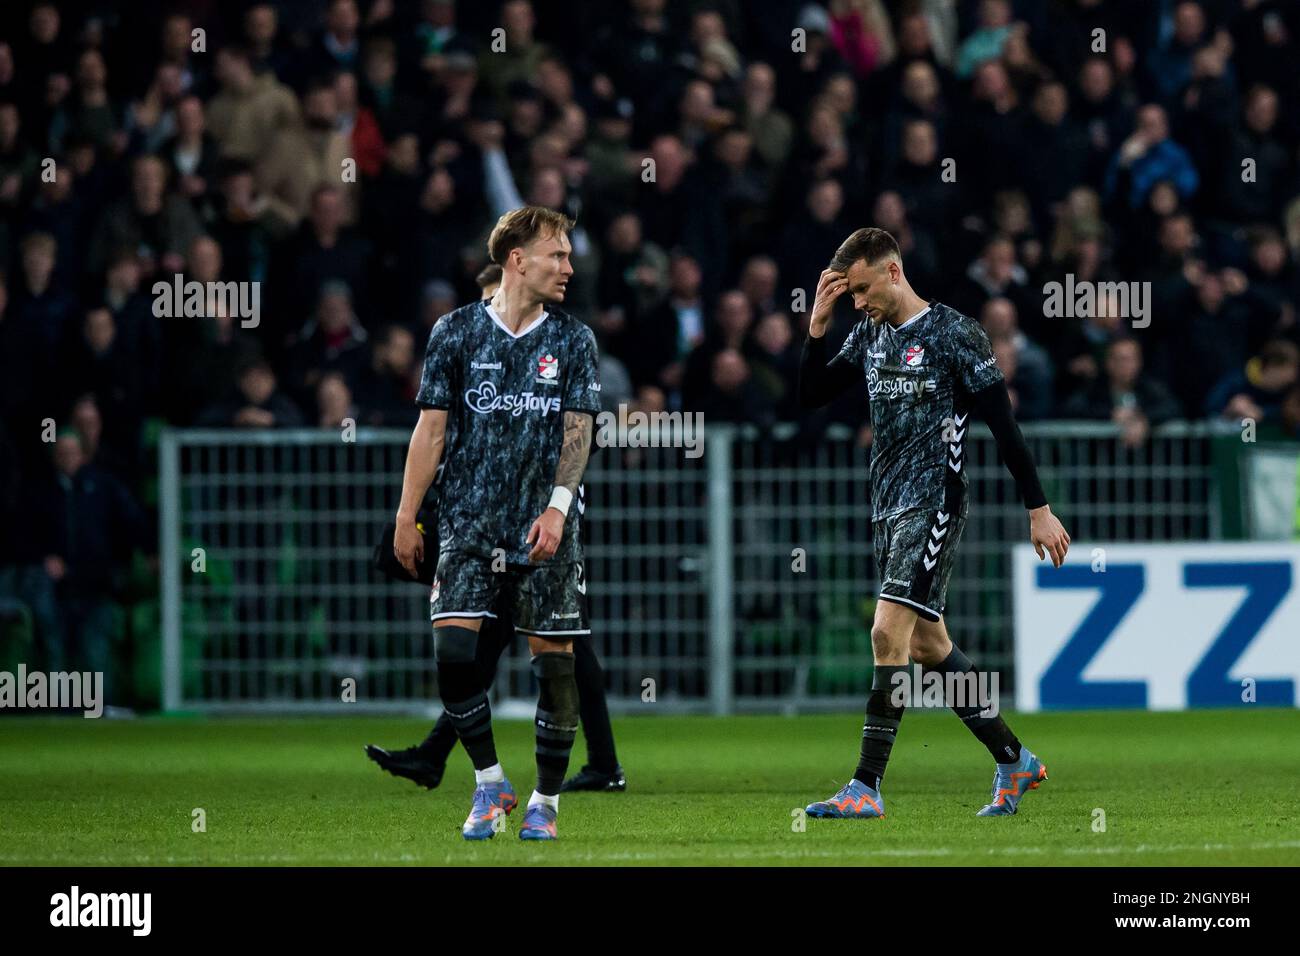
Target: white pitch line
point(721, 855)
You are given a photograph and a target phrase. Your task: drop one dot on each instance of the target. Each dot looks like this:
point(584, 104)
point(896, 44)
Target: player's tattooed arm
point(548, 529)
point(575, 451)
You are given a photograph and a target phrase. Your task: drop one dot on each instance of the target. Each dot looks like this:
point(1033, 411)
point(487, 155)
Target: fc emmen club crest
point(548, 367)
point(913, 356)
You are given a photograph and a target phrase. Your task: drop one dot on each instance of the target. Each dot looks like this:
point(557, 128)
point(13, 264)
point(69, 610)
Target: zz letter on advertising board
point(1163, 627)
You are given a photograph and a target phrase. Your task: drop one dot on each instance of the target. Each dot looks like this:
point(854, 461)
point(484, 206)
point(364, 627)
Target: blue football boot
point(492, 801)
point(856, 799)
point(1012, 781)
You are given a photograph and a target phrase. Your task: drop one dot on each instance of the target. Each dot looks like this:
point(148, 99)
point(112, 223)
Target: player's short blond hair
point(521, 226)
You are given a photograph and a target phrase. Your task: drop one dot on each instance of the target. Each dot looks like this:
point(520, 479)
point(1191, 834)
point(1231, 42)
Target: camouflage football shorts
point(549, 600)
point(915, 552)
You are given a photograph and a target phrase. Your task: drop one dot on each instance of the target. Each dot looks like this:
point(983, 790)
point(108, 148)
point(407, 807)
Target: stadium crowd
point(349, 156)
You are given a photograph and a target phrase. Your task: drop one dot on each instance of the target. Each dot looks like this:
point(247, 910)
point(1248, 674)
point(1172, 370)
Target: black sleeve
point(993, 405)
point(821, 383)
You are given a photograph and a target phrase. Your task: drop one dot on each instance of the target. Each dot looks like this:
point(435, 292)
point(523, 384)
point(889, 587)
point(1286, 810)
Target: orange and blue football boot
point(539, 823)
point(1012, 781)
point(856, 799)
point(492, 801)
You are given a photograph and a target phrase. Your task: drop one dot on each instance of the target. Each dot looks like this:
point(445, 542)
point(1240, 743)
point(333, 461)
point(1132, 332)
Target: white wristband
point(561, 498)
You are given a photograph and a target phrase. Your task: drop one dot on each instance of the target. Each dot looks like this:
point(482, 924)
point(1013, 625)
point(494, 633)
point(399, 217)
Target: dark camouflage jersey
point(505, 397)
point(919, 379)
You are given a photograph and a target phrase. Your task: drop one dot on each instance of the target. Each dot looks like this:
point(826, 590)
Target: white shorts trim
point(902, 600)
point(553, 633)
point(446, 614)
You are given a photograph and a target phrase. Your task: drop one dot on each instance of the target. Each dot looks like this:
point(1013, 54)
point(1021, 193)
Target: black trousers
point(495, 636)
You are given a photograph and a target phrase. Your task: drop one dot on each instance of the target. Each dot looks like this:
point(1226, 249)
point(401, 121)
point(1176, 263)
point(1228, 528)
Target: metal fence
point(740, 580)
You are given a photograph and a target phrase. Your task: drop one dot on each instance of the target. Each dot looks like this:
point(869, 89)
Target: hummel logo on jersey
point(485, 399)
point(494, 366)
point(913, 356)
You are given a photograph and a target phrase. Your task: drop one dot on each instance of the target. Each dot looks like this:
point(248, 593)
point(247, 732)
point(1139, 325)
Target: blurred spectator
point(730, 331)
point(304, 157)
point(257, 403)
point(333, 341)
point(338, 46)
point(324, 249)
point(251, 109)
point(385, 388)
point(770, 128)
point(192, 154)
point(995, 274)
point(989, 38)
point(1146, 157)
point(1029, 371)
point(659, 342)
point(776, 363)
point(334, 402)
point(1257, 391)
point(731, 394)
point(159, 225)
point(861, 32)
point(1124, 396)
point(758, 280)
point(805, 240)
point(93, 524)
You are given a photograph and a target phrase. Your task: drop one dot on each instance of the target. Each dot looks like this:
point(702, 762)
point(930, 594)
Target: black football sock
point(992, 732)
point(494, 639)
point(466, 704)
point(593, 708)
point(437, 747)
point(557, 718)
point(881, 726)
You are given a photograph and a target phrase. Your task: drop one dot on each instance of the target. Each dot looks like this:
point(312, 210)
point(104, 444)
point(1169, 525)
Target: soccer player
point(426, 762)
point(508, 397)
point(927, 367)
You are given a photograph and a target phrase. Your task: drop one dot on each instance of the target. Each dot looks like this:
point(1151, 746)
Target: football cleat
point(589, 778)
point(539, 823)
point(410, 763)
point(1011, 782)
point(487, 815)
point(856, 799)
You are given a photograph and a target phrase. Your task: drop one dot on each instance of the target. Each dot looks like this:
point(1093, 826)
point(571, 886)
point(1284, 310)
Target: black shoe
point(589, 778)
point(410, 763)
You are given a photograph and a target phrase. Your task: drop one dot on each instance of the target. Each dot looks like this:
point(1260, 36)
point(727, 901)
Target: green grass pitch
point(1200, 789)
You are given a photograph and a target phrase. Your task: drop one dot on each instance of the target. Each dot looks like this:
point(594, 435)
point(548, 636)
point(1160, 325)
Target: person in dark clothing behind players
point(426, 762)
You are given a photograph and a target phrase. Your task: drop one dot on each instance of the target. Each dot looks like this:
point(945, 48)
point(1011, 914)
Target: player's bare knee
point(888, 641)
point(924, 649)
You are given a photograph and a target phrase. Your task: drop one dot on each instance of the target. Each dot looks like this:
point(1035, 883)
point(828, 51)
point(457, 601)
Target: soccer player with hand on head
point(927, 368)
